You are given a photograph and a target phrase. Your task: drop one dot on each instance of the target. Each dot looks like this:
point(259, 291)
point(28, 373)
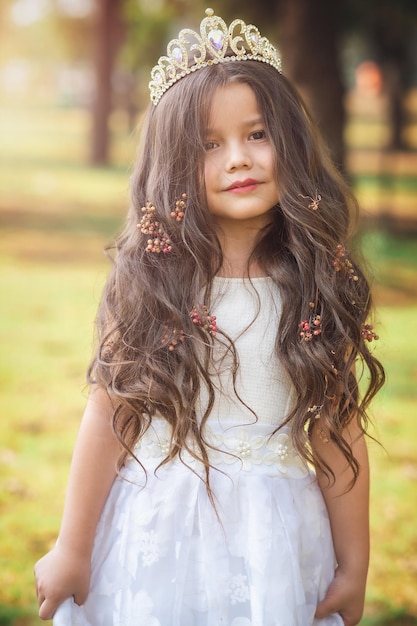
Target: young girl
point(228, 334)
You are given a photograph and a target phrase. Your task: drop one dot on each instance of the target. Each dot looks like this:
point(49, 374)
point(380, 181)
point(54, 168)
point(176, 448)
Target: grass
point(46, 336)
point(54, 227)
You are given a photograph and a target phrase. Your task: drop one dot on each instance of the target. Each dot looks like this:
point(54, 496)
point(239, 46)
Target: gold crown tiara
point(208, 48)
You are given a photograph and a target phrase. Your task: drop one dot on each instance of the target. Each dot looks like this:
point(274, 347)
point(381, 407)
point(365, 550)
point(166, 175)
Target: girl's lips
point(243, 186)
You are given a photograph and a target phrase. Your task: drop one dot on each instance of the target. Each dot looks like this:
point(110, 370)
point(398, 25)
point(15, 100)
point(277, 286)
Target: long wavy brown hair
point(148, 295)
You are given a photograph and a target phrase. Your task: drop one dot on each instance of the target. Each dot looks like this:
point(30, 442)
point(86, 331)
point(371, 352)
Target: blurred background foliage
point(73, 86)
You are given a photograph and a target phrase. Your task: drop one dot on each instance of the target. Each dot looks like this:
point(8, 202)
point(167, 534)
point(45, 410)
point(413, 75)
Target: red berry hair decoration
point(314, 204)
point(367, 332)
point(201, 317)
point(180, 206)
point(342, 263)
point(312, 327)
point(172, 337)
point(158, 240)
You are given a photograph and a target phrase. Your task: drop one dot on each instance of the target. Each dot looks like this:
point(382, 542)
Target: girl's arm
point(65, 571)
point(349, 519)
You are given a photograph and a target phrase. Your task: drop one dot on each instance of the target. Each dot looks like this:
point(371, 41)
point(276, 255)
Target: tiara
point(208, 48)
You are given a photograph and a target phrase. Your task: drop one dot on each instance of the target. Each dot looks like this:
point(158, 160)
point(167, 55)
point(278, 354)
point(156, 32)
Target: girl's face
point(239, 171)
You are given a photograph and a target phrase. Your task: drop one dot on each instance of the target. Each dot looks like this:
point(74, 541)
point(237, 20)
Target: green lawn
point(57, 215)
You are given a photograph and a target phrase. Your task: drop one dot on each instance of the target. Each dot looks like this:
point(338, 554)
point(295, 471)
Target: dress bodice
point(248, 312)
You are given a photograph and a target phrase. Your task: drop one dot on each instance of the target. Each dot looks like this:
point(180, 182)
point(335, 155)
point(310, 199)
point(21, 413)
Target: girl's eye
point(210, 145)
point(259, 134)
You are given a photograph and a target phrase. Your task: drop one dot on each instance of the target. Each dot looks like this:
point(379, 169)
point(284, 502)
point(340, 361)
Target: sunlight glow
point(75, 8)
point(26, 12)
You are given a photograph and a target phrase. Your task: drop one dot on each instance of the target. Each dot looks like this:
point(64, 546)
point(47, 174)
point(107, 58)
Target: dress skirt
point(165, 556)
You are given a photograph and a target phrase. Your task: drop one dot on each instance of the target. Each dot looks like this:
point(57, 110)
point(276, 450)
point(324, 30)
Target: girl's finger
point(45, 610)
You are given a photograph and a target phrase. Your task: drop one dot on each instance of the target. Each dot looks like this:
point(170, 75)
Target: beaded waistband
point(238, 447)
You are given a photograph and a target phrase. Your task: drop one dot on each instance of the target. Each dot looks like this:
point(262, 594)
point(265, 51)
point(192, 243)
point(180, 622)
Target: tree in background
point(121, 39)
point(108, 36)
point(128, 34)
point(389, 30)
point(310, 42)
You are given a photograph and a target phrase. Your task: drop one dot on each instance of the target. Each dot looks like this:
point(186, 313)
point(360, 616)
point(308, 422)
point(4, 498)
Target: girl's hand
point(61, 574)
point(346, 596)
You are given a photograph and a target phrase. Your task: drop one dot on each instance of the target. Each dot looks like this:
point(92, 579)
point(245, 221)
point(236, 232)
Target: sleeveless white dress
point(164, 556)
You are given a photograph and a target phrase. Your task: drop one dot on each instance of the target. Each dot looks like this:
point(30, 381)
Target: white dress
point(163, 557)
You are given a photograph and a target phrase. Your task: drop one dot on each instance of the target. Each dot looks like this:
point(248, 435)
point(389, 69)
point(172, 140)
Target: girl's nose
point(238, 157)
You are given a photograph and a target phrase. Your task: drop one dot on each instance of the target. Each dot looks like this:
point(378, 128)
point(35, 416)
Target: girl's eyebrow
point(255, 122)
point(247, 124)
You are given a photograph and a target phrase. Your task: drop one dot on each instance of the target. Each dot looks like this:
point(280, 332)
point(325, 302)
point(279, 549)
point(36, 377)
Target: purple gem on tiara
point(158, 78)
point(177, 54)
point(216, 38)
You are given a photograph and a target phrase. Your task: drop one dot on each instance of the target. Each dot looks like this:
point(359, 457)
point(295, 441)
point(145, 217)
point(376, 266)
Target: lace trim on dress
point(244, 448)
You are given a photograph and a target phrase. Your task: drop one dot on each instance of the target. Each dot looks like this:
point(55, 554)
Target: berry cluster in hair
point(158, 241)
point(201, 317)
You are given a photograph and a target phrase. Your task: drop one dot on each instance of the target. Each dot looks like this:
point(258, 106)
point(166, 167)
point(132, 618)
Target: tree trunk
point(309, 47)
point(107, 30)
point(391, 35)
point(395, 90)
